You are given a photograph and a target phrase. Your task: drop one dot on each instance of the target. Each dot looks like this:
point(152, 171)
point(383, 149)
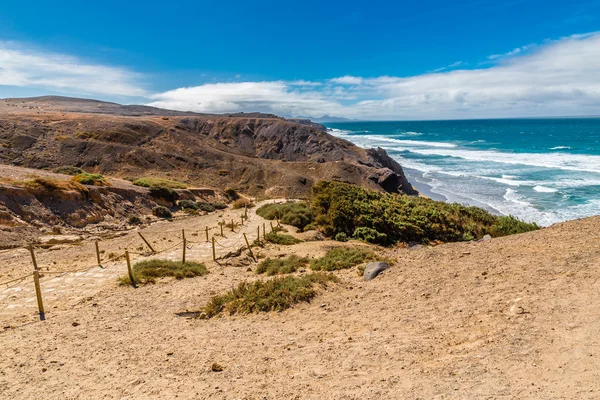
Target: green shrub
point(148, 271)
point(90, 179)
point(297, 214)
point(218, 206)
point(163, 193)
point(162, 212)
point(369, 235)
point(341, 237)
point(134, 220)
point(69, 170)
point(279, 266)
point(341, 258)
point(159, 182)
point(187, 205)
point(278, 238)
point(275, 294)
point(232, 194)
point(386, 218)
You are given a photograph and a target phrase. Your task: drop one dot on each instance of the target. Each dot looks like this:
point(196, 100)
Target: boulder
point(486, 238)
point(373, 269)
point(49, 241)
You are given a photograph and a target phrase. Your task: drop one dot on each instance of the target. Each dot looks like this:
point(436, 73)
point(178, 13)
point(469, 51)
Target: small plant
point(159, 182)
point(280, 266)
point(134, 220)
point(297, 214)
point(148, 271)
point(275, 294)
point(341, 258)
point(232, 194)
point(278, 238)
point(223, 172)
point(187, 205)
point(162, 212)
point(219, 206)
point(341, 237)
point(242, 202)
point(52, 184)
point(69, 170)
point(163, 193)
point(90, 179)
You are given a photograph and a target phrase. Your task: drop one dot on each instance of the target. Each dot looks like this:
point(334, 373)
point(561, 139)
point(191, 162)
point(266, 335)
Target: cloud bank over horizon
point(554, 78)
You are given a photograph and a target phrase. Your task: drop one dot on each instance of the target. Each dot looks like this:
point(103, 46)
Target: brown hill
point(254, 153)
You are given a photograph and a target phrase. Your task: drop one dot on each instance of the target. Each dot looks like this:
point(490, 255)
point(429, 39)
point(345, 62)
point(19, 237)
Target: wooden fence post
point(249, 248)
point(184, 247)
point(258, 234)
point(272, 229)
point(207, 240)
point(246, 212)
point(129, 269)
point(232, 230)
point(183, 234)
point(98, 255)
point(221, 224)
point(264, 231)
point(213, 248)
point(147, 243)
point(36, 281)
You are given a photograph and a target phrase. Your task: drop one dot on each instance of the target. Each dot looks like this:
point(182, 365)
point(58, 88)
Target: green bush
point(297, 214)
point(341, 237)
point(163, 193)
point(187, 205)
point(278, 238)
point(159, 182)
point(148, 271)
point(134, 220)
point(232, 194)
point(275, 294)
point(69, 170)
point(369, 235)
point(341, 258)
point(386, 218)
point(218, 206)
point(279, 266)
point(90, 179)
point(162, 212)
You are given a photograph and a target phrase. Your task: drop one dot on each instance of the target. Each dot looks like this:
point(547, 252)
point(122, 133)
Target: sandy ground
point(511, 318)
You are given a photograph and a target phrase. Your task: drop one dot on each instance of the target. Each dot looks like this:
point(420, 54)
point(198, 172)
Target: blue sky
point(373, 60)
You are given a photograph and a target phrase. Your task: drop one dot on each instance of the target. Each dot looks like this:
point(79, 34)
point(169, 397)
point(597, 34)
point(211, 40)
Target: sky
point(375, 60)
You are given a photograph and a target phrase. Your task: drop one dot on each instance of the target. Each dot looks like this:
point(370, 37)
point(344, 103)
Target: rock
point(373, 269)
point(486, 238)
point(49, 241)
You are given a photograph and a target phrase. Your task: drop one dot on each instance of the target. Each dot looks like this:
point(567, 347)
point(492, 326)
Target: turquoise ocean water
point(542, 170)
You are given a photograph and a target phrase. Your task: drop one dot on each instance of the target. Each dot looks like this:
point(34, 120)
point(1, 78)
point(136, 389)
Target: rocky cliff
point(257, 154)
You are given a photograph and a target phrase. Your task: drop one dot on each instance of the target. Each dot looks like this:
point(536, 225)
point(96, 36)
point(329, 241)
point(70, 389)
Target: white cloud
point(557, 78)
point(21, 66)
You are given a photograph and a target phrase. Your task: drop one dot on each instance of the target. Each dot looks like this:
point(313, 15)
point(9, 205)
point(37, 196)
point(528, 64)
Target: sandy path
point(18, 302)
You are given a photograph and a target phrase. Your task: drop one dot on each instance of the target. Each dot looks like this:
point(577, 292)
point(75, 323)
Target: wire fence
point(229, 243)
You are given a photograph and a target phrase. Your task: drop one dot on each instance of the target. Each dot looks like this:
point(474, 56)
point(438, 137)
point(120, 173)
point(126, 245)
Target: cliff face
point(261, 155)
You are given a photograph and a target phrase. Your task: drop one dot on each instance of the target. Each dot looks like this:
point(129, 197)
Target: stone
point(49, 241)
point(486, 238)
point(373, 269)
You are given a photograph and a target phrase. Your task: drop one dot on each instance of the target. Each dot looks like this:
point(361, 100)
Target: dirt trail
point(511, 318)
point(17, 300)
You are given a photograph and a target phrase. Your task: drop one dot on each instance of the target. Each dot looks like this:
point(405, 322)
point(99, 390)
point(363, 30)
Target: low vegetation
point(149, 271)
point(90, 179)
point(162, 212)
point(69, 170)
point(279, 238)
point(346, 211)
point(280, 266)
point(275, 294)
point(232, 194)
point(52, 184)
point(341, 258)
point(163, 193)
point(159, 182)
point(297, 214)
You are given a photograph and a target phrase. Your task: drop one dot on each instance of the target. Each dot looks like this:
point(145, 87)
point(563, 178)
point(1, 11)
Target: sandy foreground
point(511, 318)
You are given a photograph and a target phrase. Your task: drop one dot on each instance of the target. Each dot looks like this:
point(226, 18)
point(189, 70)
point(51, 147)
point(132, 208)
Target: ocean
point(540, 170)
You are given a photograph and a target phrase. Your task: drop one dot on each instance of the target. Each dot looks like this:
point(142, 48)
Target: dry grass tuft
point(148, 271)
point(280, 266)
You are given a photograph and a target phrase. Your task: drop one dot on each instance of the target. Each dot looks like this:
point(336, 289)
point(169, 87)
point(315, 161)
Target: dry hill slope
point(256, 154)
